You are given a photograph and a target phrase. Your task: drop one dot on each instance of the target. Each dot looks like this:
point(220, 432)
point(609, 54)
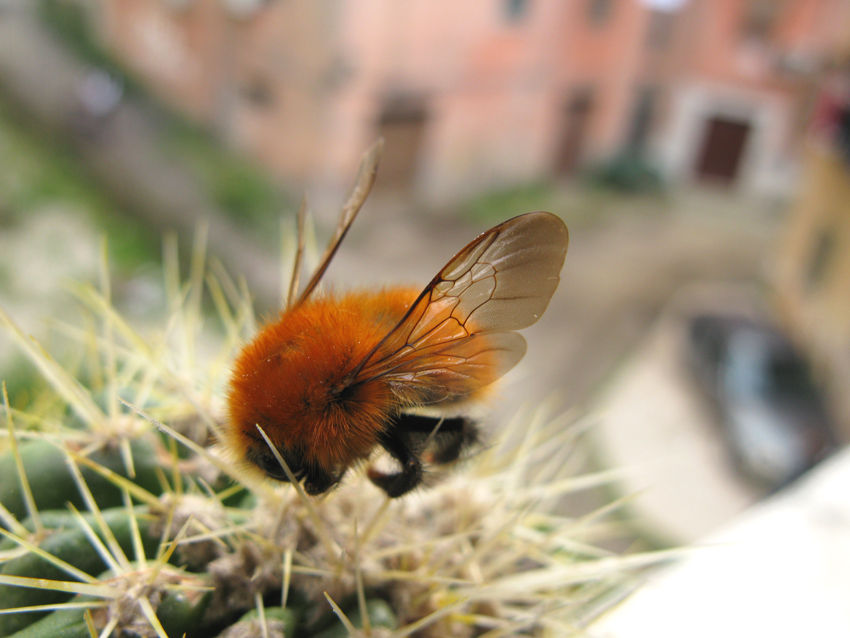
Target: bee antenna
point(354, 202)
point(295, 281)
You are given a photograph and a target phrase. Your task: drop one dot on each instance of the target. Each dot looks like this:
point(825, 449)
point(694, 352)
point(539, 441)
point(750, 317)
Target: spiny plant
point(122, 516)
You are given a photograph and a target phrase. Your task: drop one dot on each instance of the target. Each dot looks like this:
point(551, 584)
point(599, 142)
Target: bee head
point(262, 456)
point(317, 479)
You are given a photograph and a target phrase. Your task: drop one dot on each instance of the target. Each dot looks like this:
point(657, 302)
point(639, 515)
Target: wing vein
point(459, 334)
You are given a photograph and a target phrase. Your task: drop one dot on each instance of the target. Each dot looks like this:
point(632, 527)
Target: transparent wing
point(458, 335)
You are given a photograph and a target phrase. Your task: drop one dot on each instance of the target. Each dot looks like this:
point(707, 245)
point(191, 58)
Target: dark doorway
point(722, 149)
point(574, 122)
point(402, 125)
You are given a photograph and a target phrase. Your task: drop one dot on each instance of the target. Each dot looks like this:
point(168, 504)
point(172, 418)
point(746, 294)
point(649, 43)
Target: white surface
point(781, 569)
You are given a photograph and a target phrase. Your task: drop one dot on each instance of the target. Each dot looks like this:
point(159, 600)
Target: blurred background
point(697, 149)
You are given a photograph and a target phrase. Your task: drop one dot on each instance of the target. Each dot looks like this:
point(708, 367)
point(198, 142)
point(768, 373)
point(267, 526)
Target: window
point(660, 29)
point(642, 116)
point(516, 10)
point(258, 92)
point(599, 11)
point(723, 145)
point(576, 117)
point(821, 257)
point(403, 123)
point(760, 18)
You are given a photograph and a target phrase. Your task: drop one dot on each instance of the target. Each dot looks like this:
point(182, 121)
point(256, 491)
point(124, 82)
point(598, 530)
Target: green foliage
point(69, 543)
point(234, 184)
point(380, 615)
point(40, 172)
point(71, 21)
point(53, 484)
point(503, 204)
point(26, 384)
point(277, 618)
point(627, 173)
point(238, 187)
point(64, 623)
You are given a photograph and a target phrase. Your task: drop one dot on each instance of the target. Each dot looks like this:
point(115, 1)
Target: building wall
point(177, 52)
point(285, 85)
point(493, 92)
point(302, 86)
point(484, 79)
point(608, 56)
point(813, 274)
point(724, 70)
point(764, 167)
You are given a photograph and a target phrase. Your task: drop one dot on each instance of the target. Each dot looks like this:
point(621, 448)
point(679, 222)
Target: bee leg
point(451, 444)
point(319, 481)
point(451, 435)
point(416, 423)
point(400, 483)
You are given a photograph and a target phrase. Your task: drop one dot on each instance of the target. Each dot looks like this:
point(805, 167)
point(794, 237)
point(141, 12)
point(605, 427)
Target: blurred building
point(739, 78)
point(485, 94)
point(813, 265)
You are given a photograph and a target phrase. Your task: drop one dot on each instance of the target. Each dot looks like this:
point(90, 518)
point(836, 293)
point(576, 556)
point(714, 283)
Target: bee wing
point(458, 336)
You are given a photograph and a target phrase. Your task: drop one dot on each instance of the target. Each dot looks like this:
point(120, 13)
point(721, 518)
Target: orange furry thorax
point(288, 379)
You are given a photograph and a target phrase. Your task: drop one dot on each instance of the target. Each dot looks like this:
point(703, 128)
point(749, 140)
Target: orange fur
point(285, 378)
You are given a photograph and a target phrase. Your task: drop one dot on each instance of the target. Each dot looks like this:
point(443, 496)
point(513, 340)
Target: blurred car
point(772, 415)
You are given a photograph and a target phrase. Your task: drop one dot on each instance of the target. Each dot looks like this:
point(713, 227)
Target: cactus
point(120, 515)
